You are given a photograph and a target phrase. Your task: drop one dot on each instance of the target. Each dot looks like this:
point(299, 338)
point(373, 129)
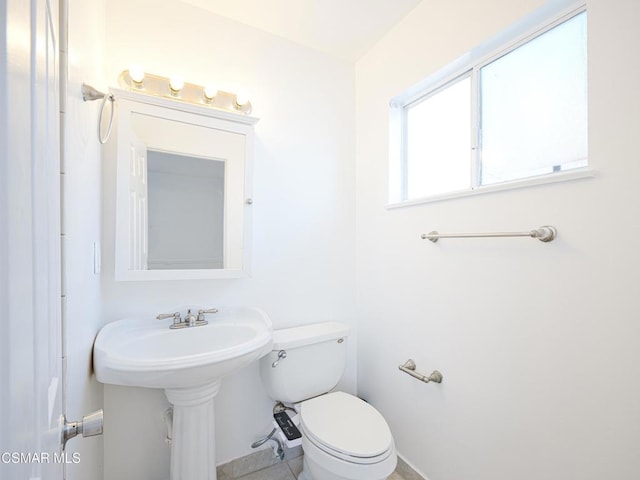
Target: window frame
point(532, 26)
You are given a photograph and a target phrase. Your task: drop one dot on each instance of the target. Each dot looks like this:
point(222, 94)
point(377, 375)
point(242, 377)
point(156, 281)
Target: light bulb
point(176, 83)
point(210, 91)
point(137, 74)
point(242, 98)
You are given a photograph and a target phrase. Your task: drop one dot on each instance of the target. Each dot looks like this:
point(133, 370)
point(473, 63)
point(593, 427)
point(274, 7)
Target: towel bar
point(545, 234)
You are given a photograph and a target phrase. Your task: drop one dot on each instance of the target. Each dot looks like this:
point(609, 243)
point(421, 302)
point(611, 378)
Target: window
point(503, 117)
point(438, 141)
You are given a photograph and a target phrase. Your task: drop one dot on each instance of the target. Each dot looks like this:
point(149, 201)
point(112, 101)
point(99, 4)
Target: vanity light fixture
point(180, 90)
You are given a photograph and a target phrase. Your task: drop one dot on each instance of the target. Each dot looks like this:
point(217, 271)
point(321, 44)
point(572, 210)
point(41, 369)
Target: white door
point(30, 331)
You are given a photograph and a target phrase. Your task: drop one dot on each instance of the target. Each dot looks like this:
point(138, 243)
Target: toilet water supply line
point(278, 448)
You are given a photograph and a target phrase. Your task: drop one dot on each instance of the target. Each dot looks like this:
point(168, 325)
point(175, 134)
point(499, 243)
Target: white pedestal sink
point(189, 364)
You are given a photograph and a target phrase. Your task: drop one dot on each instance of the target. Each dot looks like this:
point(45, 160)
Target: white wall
point(82, 312)
point(538, 343)
point(304, 197)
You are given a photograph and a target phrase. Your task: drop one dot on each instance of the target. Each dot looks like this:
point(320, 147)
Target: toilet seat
point(346, 427)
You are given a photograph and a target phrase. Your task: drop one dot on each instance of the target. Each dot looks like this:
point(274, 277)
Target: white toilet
point(343, 437)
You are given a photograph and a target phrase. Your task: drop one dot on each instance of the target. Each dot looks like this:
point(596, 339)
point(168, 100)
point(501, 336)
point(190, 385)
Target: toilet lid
point(346, 424)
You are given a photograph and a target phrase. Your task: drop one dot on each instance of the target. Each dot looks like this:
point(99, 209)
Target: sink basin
point(147, 353)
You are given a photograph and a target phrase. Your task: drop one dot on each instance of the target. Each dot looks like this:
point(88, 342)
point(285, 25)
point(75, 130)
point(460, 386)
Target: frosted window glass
point(533, 102)
point(438, 142)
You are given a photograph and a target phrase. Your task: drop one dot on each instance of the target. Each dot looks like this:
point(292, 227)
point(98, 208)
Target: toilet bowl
point(343, 437)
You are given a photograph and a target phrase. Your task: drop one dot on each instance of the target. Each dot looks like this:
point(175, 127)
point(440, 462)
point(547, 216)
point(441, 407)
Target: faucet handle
point(175, 316)
point(202, 312)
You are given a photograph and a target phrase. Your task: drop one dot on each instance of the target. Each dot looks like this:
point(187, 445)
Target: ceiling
point(342, 28)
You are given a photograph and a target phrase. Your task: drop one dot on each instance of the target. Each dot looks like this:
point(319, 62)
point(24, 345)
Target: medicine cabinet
point(183, 190)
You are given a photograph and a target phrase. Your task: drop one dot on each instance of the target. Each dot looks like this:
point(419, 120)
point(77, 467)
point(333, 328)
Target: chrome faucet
point(190, 320)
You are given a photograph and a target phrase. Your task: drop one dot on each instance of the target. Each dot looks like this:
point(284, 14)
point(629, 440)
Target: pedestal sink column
point(193, 455)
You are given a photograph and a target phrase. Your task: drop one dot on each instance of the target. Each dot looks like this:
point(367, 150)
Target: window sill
point(576, 174)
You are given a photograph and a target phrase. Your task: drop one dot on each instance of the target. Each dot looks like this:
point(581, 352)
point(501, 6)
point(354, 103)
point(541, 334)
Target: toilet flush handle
point(281, 354)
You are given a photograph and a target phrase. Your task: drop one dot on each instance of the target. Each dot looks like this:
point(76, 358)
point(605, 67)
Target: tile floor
point(286, 470)
point(263, 465)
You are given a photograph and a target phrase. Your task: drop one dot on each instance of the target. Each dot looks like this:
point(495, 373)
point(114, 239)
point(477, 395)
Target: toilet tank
point(315, 360)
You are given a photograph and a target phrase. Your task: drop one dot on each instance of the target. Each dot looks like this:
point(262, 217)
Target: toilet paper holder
point(410, 367)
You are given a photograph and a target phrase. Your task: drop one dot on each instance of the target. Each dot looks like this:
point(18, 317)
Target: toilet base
point(316, 465)
point(313, 471)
